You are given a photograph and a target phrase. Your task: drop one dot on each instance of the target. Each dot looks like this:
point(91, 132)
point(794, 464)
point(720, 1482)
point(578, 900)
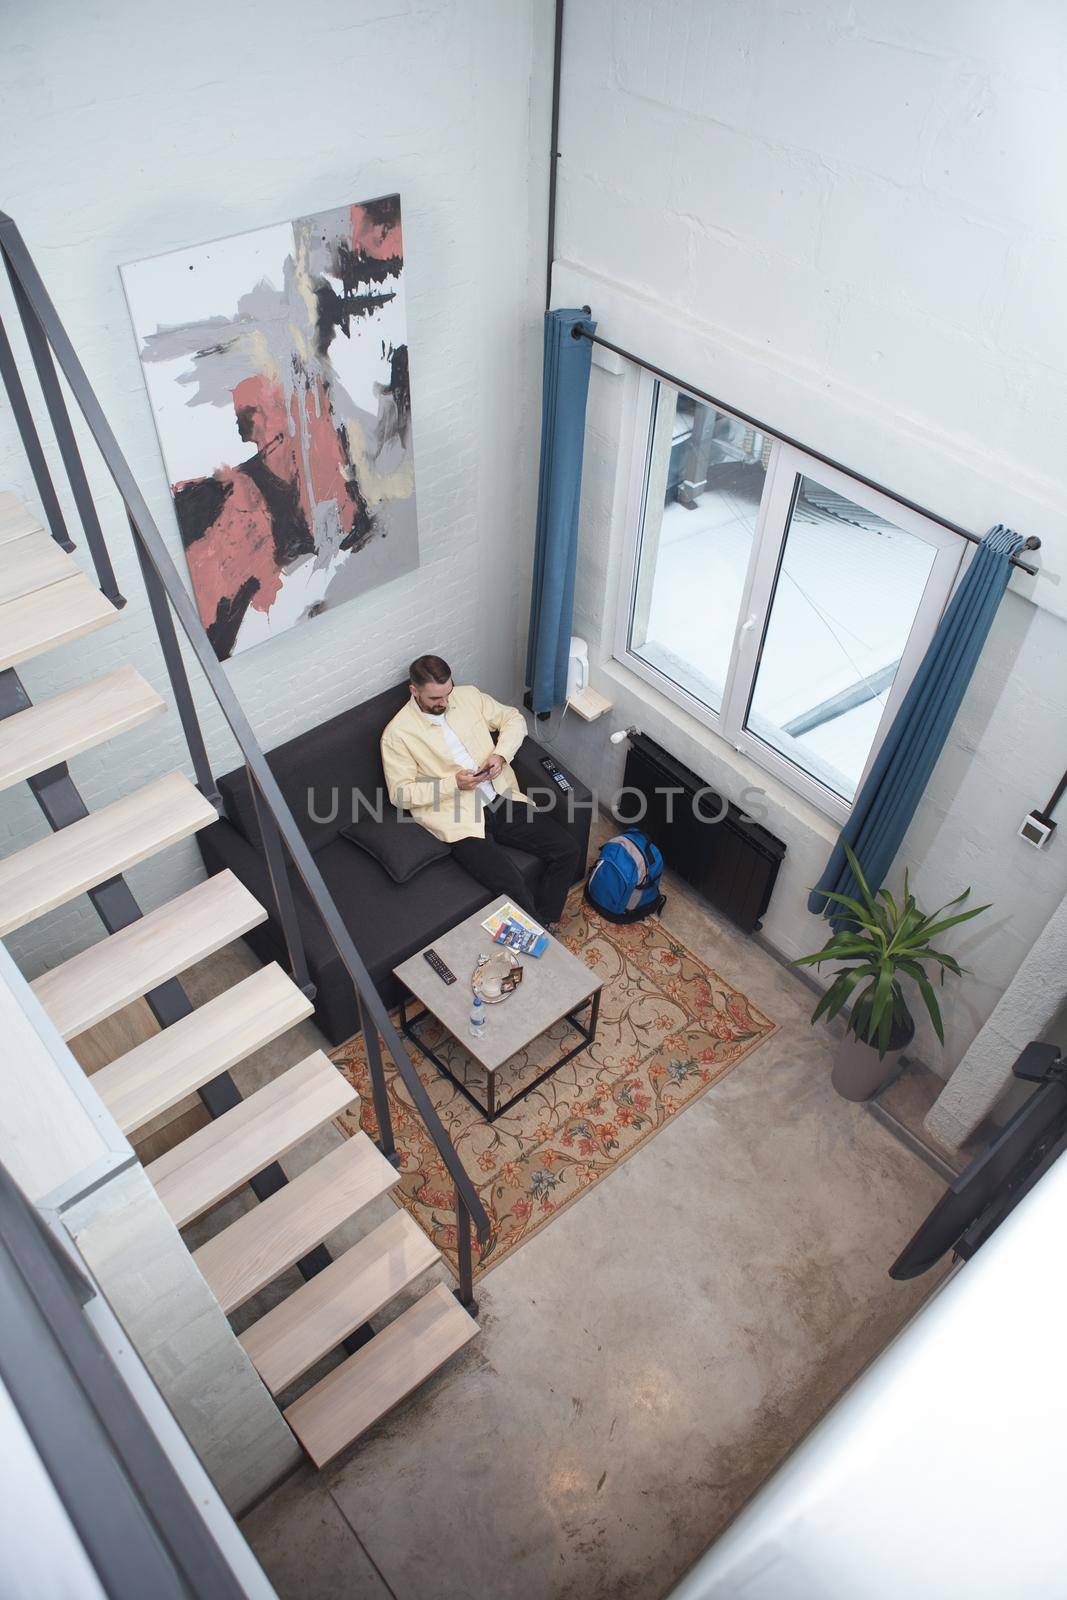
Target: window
point(781, 601)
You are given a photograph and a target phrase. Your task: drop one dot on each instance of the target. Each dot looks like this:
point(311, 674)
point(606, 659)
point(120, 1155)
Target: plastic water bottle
point(476, 1025)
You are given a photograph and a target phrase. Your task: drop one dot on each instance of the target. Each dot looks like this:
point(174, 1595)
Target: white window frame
point(786, 464)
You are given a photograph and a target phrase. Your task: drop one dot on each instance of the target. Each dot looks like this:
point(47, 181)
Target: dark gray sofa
point(388, 921)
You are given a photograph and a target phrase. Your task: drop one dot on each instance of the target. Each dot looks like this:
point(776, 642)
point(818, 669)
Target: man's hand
point(468, 780)
point(495, 765)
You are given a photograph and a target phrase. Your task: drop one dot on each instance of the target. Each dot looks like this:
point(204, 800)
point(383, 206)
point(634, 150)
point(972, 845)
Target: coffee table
point(555, 987)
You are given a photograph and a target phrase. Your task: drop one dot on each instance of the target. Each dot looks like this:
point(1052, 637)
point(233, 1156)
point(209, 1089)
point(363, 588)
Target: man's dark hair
point(428, 669)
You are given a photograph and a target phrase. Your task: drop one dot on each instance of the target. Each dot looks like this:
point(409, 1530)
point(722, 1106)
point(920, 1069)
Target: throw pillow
point(401, 848)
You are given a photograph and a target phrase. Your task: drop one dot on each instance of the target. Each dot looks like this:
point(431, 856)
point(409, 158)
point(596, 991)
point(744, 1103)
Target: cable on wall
point(554, 153)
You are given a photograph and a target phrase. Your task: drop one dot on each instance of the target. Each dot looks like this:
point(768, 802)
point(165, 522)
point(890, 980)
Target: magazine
point(510, 913)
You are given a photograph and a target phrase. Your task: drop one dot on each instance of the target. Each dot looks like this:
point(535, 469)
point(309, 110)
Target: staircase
point(47, 601)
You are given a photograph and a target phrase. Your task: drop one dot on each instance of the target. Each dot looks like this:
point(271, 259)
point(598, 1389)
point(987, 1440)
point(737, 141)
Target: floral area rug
point(669, 1028)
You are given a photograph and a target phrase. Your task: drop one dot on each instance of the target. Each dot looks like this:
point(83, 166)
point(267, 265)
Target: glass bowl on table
point(496, 976)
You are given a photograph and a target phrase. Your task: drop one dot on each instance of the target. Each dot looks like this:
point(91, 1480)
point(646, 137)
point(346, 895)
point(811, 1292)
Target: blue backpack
point(624, 884)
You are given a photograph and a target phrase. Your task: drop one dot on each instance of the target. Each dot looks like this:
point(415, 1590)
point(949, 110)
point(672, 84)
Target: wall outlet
point(1037, 829)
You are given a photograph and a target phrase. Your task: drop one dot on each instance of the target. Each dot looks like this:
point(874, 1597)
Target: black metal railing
point(169, 599)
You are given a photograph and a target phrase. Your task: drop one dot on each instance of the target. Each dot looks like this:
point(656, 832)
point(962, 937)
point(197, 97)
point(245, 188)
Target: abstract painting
point(277, 368)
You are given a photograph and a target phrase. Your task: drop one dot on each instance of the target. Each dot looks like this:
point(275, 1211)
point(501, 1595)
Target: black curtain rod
point(580, 332)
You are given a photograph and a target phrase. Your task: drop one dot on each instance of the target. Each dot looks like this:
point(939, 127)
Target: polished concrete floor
point(645, 1360)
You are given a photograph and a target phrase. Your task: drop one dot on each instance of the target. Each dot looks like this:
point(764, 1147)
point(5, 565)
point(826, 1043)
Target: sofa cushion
point(402, 848)
point(319, 771)
point(389, 921)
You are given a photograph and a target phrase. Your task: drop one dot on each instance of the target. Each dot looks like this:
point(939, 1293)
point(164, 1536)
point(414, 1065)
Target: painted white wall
point(846, 217)
point(128, 132)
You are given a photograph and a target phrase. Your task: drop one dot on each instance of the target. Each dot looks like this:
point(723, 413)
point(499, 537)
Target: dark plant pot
point(859, 1071)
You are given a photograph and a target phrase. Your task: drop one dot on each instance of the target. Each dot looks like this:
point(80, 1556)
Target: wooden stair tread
point(16, 521)
point(51, 871)
point(14, 528)
point(158, 1073)
point(101, 980)
point(51, 617)
point(33, 562)
point(289, 1340)
point(244, 1257)
point(44, 735)
point(205, 1168)
point(354, 1395)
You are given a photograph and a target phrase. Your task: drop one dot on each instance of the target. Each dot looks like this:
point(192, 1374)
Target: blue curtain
point(900, 772)
point(564, 391)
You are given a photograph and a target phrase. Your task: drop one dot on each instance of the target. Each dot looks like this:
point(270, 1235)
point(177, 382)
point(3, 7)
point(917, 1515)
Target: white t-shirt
point(459, 752)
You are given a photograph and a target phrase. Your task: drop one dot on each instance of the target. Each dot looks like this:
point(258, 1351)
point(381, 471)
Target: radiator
point(733, 862)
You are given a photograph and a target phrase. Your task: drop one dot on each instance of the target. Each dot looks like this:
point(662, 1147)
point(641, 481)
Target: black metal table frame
point(491, 1111)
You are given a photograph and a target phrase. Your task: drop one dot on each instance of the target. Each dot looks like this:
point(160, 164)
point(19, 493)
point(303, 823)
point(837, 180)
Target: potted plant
point(883, 944)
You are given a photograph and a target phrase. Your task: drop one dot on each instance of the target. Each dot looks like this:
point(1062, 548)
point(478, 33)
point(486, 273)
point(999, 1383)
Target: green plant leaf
point(864, 1019)
point(957, 901)
point(937, 955)
point(861, 1012)
point(932, 916)
point(871, 1006)
point(910, 924)
point(927, 992)
point(885, 1030)
point(951, 922)
point(826, 1000)
point(837, 996)
point(861, 881)
point(883, 995)
point(845, 945)
point(841, 947)
point(859, 912)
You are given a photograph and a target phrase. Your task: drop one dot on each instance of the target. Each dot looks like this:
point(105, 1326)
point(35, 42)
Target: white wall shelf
point(589, 704)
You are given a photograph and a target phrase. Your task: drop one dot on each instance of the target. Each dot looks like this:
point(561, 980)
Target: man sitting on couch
point(441, 765)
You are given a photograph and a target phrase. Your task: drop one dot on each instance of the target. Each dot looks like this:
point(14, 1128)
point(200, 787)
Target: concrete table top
point(552, 986)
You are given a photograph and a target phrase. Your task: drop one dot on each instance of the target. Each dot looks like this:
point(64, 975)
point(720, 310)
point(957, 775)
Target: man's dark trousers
point(519, 825)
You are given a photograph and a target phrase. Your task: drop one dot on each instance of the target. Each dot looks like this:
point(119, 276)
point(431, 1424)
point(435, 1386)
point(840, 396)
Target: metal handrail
point(34, 297)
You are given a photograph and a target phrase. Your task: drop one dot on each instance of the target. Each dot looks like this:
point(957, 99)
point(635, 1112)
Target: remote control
point(443, 972)
point(556, 773)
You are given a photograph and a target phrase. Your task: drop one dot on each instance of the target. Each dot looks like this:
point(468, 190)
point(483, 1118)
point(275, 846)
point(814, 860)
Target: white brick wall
point(129, 132)
point(847, 217)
